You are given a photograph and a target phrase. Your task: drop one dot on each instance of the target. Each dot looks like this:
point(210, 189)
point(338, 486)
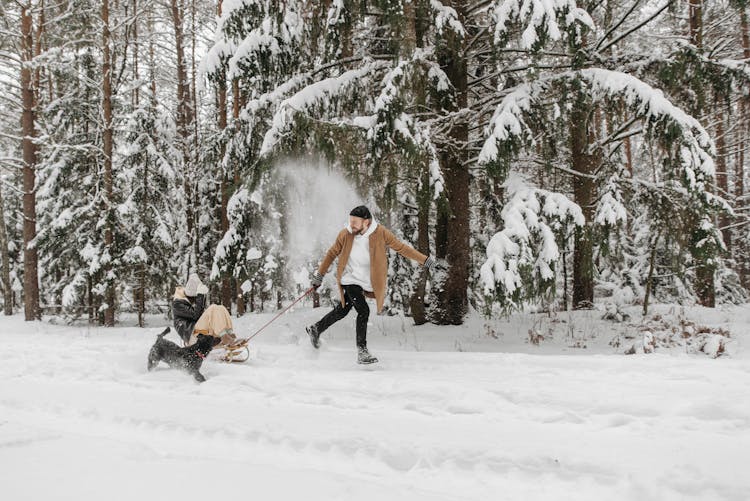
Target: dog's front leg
point(153, 359)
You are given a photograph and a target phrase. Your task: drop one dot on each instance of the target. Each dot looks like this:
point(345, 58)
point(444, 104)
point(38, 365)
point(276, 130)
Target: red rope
point(308, 291)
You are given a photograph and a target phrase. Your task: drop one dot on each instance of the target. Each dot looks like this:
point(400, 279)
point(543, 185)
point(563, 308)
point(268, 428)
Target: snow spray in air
point(319, 199)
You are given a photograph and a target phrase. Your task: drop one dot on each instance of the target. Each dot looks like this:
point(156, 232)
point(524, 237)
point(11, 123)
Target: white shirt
point(357, 269)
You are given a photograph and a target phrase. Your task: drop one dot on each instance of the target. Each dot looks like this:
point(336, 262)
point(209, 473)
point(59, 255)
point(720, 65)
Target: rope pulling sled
point(239, 351)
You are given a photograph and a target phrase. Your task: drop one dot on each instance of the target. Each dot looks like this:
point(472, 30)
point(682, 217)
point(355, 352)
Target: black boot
point(364, 357)
point(312, 331)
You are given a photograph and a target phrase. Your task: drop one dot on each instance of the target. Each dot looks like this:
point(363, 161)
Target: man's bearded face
point(358, 225)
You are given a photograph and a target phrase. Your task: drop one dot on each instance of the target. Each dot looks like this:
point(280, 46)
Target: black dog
point(189, 358)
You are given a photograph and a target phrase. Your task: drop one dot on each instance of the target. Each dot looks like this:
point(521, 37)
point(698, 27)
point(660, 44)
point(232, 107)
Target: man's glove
point(432, 265)
point(316, 280)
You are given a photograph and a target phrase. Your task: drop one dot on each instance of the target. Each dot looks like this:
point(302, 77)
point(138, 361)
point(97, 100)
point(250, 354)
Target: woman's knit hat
point(191, 287)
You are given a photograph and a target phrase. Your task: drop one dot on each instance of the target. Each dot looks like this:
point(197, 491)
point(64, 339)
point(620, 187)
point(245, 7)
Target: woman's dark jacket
point(186, 315)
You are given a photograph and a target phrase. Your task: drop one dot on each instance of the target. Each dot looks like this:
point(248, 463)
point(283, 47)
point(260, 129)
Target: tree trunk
point(416, 303)
point(704, 266)
point(225, 186)
point(91, 305)
point(142, 270)
point(28, 125)
point(417, 300)
point(136, 94)
point(194, 76)
point(721, 178)
point(141, 290)
point(107, 145)
point(452, 294)
point(650, 279)
point(584, 196)
point(441, 229)
point(5, 256)
point(695, 13)
point(240, 300)
point(704, 275)
point(184, 120)
point(564, 258)
point(152, 59)
point(739, 172)
point(745, 32)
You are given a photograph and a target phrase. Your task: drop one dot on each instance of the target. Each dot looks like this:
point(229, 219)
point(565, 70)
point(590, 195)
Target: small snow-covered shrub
point(673, 331)
point(646, 344)
point(613, 312)
point(535, 337)
point(490, 331)
point(714, 346)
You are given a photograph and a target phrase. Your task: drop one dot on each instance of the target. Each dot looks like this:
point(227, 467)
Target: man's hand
point(316, 279)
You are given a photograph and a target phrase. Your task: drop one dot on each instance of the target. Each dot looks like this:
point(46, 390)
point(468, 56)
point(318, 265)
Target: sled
point(236, 353)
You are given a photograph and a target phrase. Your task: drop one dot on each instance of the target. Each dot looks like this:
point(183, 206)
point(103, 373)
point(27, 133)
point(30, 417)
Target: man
point(362, 271)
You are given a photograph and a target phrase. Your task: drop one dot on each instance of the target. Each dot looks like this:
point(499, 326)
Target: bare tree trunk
point(240, 300)
point(745, 32)
point(704, 265)
point(184, 121)
point(739, 169)
point(107, 145)
point(452, 294)
point(5, 256)
point(416, 303)
point(650, 279)
point(141, 295)
point(226, 281)
point(417, 300)
point(194, 72)
point(721, 178)
point(91, 305)
point(152, 58)
point(564, 258)
point(441, 229)
point(28, 125)
point(221, 97)
point(695, 12)
point(141, 272)
point(136, 49)
point(583, 194)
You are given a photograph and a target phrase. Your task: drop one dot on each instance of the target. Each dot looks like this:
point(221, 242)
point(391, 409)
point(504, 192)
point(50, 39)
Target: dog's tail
point(166, 331)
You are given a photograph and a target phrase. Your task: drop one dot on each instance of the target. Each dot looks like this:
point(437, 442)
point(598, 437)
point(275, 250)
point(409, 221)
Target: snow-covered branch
point(524, 253)
point(538, 17)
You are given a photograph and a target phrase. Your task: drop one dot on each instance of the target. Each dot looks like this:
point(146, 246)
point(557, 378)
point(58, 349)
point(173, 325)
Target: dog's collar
point(197, 352)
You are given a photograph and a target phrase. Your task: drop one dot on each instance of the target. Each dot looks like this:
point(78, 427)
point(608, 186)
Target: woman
point(192, 316)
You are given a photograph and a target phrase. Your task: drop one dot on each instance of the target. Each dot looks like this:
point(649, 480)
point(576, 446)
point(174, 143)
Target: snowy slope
point(80, 418)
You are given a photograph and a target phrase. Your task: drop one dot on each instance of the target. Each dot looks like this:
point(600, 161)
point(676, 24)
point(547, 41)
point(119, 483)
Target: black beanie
point(361, 211)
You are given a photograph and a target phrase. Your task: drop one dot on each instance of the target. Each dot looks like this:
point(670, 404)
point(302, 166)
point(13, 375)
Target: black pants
point(353, 296)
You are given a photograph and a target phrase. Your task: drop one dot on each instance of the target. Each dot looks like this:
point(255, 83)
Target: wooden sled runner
point(237, 352)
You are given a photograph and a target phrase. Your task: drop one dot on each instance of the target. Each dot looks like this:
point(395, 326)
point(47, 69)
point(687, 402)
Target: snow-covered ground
point(455, 413)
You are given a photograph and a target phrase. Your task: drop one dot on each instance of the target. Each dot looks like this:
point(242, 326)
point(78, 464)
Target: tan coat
point(379, 240)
